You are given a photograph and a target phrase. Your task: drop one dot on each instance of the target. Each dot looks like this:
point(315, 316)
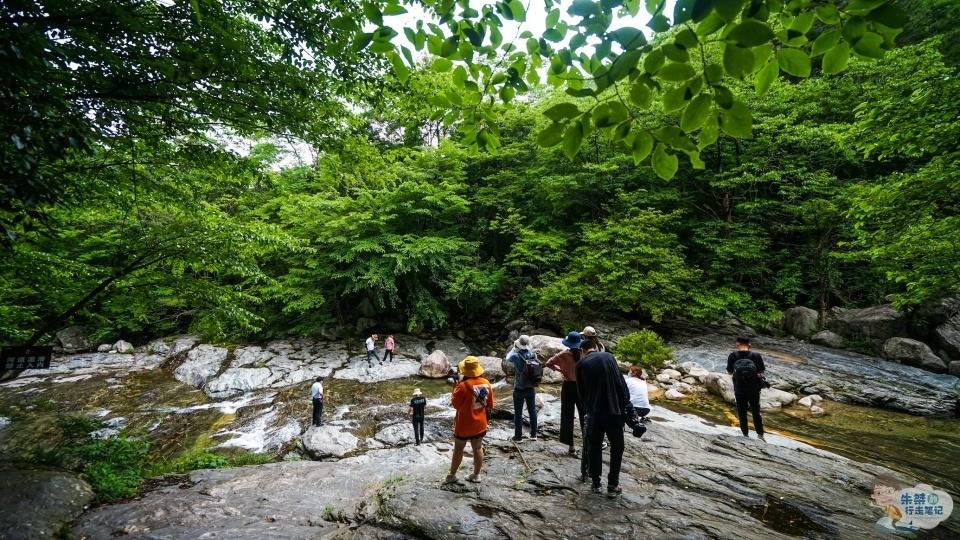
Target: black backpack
point(533, 369)
point(745, 372)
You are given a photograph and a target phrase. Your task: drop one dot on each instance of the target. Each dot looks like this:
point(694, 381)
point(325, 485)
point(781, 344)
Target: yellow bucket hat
point(470, 367)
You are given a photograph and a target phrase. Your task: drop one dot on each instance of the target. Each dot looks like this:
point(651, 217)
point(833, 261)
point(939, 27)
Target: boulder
point(435, 365)
point(828, 339)
point(720, 384)
point(250, 356)
point(329, 440)
point(875, 323)
point(694, 369)
point(664, 378)
point(801, 322)
point(913, 353)
point(105, 347)
point(492, 367)
point(674, 394)
point(544, 346)
point(671, 374)
point(40, 503)
point(816, 410)
point(74, 339)
point(201, 365)
point(235, 381)
point(123, 347)
point(772, 398)
point(515, 324)
point(947, 337)
point(454, 349)
point(954, 368)
point(809, 401)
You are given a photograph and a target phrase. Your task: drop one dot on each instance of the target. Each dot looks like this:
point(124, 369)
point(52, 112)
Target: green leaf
point(696, 112)
point(802, 22)
point(653, 61)
point(835, 60)
point(728, 9)
point(609, 114)
point(676, 72)
point(572, 138)
point(870, 45)
point(561, 111)
point(709, 133)
point(441, 65)
point(687, 38)
point(399, 68)
point(737, 61)
point(675, 98)
point(664, 163)
point(889, 15)
point(825, 42)
point(766, 76)
point(551, 135)
point(641, 146)
point(750, 33)
point(553, 18)
point(828, 13)
point(659, 23)
point(794, 61)
point(640, 94)
point(737, 121)
point(629, 38)
point(372, 14)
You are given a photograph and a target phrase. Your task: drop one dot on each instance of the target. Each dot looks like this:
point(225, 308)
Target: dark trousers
point(418, 429)
point(569, 401)
point(317, 411)
point(387, 355)
point(610, 426)
point(751, 400)
point(371, 356)
point(521, 396)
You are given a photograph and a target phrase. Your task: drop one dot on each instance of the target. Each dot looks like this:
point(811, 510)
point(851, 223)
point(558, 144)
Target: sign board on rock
point(19, 357)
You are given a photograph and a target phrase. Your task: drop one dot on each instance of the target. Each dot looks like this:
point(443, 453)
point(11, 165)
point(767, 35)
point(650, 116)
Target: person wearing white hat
point(589, 333)
point(416, 412)
point(527, 374)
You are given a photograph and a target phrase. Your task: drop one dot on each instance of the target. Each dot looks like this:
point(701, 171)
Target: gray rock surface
point(492, 367)
point(676, 483)
point(947, 337)
point(837, 375)
point(332, 439)
point(828, 339)
point(124, 347)
point(435, 365)
point(39, 503)
point(770, 398)
point(201, 365)
point(913, 353)
point(235, 381)
point(954, 368)
point(74, 339)
point(875, 323)
point(454, 349)
point(801, 322)
point(358, 369)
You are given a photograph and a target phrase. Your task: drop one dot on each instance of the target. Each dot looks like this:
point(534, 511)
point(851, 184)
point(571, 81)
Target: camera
point(763, 382)
point(453, 375)
point(635, 424)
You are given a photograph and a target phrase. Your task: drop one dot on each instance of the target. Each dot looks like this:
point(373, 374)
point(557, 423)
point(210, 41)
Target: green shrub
point(114, 467)
point(644, 348)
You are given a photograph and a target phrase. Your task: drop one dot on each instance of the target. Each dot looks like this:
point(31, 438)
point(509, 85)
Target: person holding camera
point(472, 398)
point(746, 369)
point(607, 408)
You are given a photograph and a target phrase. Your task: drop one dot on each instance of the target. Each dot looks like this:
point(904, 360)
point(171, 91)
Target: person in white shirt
point(371, 345)
point(316, 396)
point(638, 392)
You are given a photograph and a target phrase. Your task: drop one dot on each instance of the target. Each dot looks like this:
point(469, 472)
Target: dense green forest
point(128, 211)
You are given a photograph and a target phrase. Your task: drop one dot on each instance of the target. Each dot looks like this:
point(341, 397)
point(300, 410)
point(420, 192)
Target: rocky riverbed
point(360, 475)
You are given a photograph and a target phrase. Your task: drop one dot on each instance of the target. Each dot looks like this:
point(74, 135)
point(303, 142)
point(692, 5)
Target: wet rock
point(836, 375)
point(401, 433)
point(181, 344)
point(671, 374)
point(809, 401)
point(828, 339)
point(39, 503)
point(947, 337)
point(816, 410)
point(664, 378)
point(954, 368)
point(235, 381)
point(492, 367)
point(201, 365)
point(105, 347)
point(693, 369)
point(250, 356)
point(673, 393)
point(720, 384)
point(772, 398)
point(329, 440)
point(435, 365)
point(124, 347)
point(358, 369)
point(876, 323)
point(913, 353)
point(801, 322)
point(74, 339)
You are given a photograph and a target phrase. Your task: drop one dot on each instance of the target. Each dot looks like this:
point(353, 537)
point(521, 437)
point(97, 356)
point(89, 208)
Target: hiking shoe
point(517, 439)
point(584, 478)
point(613, 491)
point(596, 488)
point(761, 438)
point(533, 437)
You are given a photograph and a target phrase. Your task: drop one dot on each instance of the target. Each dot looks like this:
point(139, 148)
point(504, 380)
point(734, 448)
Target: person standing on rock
point(371, 345)
point(639, 398)
point(316, 396)
point(527, 374)
point(606, 406)
point(566, 363)
point(746, 368)
point(472, 398)
point(589, 333)
point(388, 349)
point(418, 406)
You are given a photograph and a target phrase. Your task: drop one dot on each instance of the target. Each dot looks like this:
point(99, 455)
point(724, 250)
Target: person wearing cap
point(589, 333)
point(416, 411)
point(524, 389)
point(566, 363)
point(472, 397)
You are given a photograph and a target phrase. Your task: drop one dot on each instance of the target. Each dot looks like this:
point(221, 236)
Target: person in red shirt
point(472, 398)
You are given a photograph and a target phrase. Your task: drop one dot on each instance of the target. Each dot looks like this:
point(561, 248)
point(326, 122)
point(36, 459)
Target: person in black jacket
point(606, 404)
point(746, 368)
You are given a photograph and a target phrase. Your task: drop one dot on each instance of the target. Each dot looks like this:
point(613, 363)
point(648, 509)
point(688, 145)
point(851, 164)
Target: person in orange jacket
point(472, 398)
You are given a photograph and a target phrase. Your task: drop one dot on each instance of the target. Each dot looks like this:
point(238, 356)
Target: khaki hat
point(417, 392)
point(522, 343)
point(589, 331)
point(470, 367)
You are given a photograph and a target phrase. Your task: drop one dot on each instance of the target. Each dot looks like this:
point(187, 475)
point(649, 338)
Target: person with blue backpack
point(746, 369)
point(528, 372)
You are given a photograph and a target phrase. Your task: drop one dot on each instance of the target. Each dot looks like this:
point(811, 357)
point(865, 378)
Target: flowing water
point(925, 448)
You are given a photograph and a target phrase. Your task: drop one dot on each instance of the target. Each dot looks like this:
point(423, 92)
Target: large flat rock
point(838, 375)
point(39, 503)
